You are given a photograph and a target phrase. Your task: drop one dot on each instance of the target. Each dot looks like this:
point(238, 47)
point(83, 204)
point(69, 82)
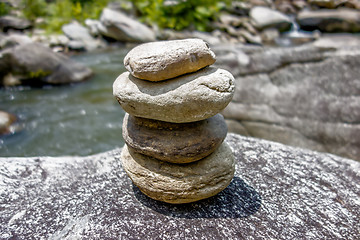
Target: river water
point(77, 119)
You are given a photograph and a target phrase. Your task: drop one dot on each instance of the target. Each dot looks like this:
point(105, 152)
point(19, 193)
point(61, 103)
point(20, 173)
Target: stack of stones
point(173, 131)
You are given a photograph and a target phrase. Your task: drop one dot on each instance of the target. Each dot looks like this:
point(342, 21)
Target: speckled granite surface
point(278, 192)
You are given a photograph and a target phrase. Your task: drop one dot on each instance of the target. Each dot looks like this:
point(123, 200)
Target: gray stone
point(78, 33)
point(304, 96)
point(11, 22)
point(278, 192)
point(93, 26)
point(76, 45)
point(264, 17)
point(174, 142)
point(58, 40)
point(180, 183)
point(117, 25)
point(161, 60)
point(189, 98)
point(330, 20)
point(12, 40)
point(267, 60)
point(37, 64)
point(338, 42)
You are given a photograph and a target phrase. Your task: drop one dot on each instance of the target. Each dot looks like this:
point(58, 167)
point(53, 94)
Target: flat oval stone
point(162, 60)
point(174, 142)
point(188, 98)
point(180, 183)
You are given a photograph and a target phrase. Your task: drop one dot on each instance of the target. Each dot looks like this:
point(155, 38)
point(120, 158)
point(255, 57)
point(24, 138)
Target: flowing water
point(77, 119)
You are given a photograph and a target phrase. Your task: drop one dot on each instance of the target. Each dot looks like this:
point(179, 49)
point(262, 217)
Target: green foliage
point(174, 14)
point(39, 74)
point(59, 12)
point(33, 9)
point(4, 8)
point(64, 11)
point(179, 14)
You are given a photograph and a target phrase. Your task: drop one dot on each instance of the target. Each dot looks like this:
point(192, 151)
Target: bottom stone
point(180, 183)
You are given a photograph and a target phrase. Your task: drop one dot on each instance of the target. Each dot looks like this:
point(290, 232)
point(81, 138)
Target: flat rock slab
point(278, 192)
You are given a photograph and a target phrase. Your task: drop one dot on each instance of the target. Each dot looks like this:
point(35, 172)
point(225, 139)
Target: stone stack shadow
point(175, 150)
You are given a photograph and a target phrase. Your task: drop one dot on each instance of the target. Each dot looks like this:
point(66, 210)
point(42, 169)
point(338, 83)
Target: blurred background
point(295, 63)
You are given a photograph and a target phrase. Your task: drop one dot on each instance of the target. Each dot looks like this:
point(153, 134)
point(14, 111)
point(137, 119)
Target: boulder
point(174, 142)
point(12, 40)
point(78, 33)
point(330, 20)
point(278, 192)
point(13, 23)
point(93, 26)
point(264, 17)
point(117, 25)
point(36, 64)
point(305, 96)
point(188, 98)
point(162, 60)
point(180, 183)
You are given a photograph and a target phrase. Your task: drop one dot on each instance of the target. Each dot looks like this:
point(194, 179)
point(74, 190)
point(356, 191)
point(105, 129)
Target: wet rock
point(328, 20)
point(117, 25)
point(180, 183)
point(278, 192)
point(174, 142)
point(264, 17)
point(189, 98)
point(168, 59)
point(304, 96)
point(80, 34)
point(36, 64)
point(13, 23)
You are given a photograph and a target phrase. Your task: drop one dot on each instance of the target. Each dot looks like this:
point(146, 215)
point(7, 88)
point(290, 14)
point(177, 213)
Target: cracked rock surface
point(188, 98)
point(278, 192)
point(306, 96)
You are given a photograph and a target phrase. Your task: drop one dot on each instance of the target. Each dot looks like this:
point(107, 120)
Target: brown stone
point(162, 60)
point(180, 183)
point(174, 142)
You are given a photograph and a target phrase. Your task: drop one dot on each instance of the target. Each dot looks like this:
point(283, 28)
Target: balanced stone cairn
point(175, 150)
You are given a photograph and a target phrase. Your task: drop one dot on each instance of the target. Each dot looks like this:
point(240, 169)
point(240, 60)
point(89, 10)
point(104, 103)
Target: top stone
point(157, 61)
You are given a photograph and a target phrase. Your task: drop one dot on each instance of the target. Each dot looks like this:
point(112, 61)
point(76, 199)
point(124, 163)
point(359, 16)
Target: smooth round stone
point(180, 183)
point(174, 142)
point(162, 60)
point(189, 98)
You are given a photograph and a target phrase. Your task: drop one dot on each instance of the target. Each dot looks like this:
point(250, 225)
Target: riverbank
point(257, 22)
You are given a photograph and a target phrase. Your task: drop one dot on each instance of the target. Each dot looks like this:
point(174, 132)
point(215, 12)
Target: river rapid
point(77, 119)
